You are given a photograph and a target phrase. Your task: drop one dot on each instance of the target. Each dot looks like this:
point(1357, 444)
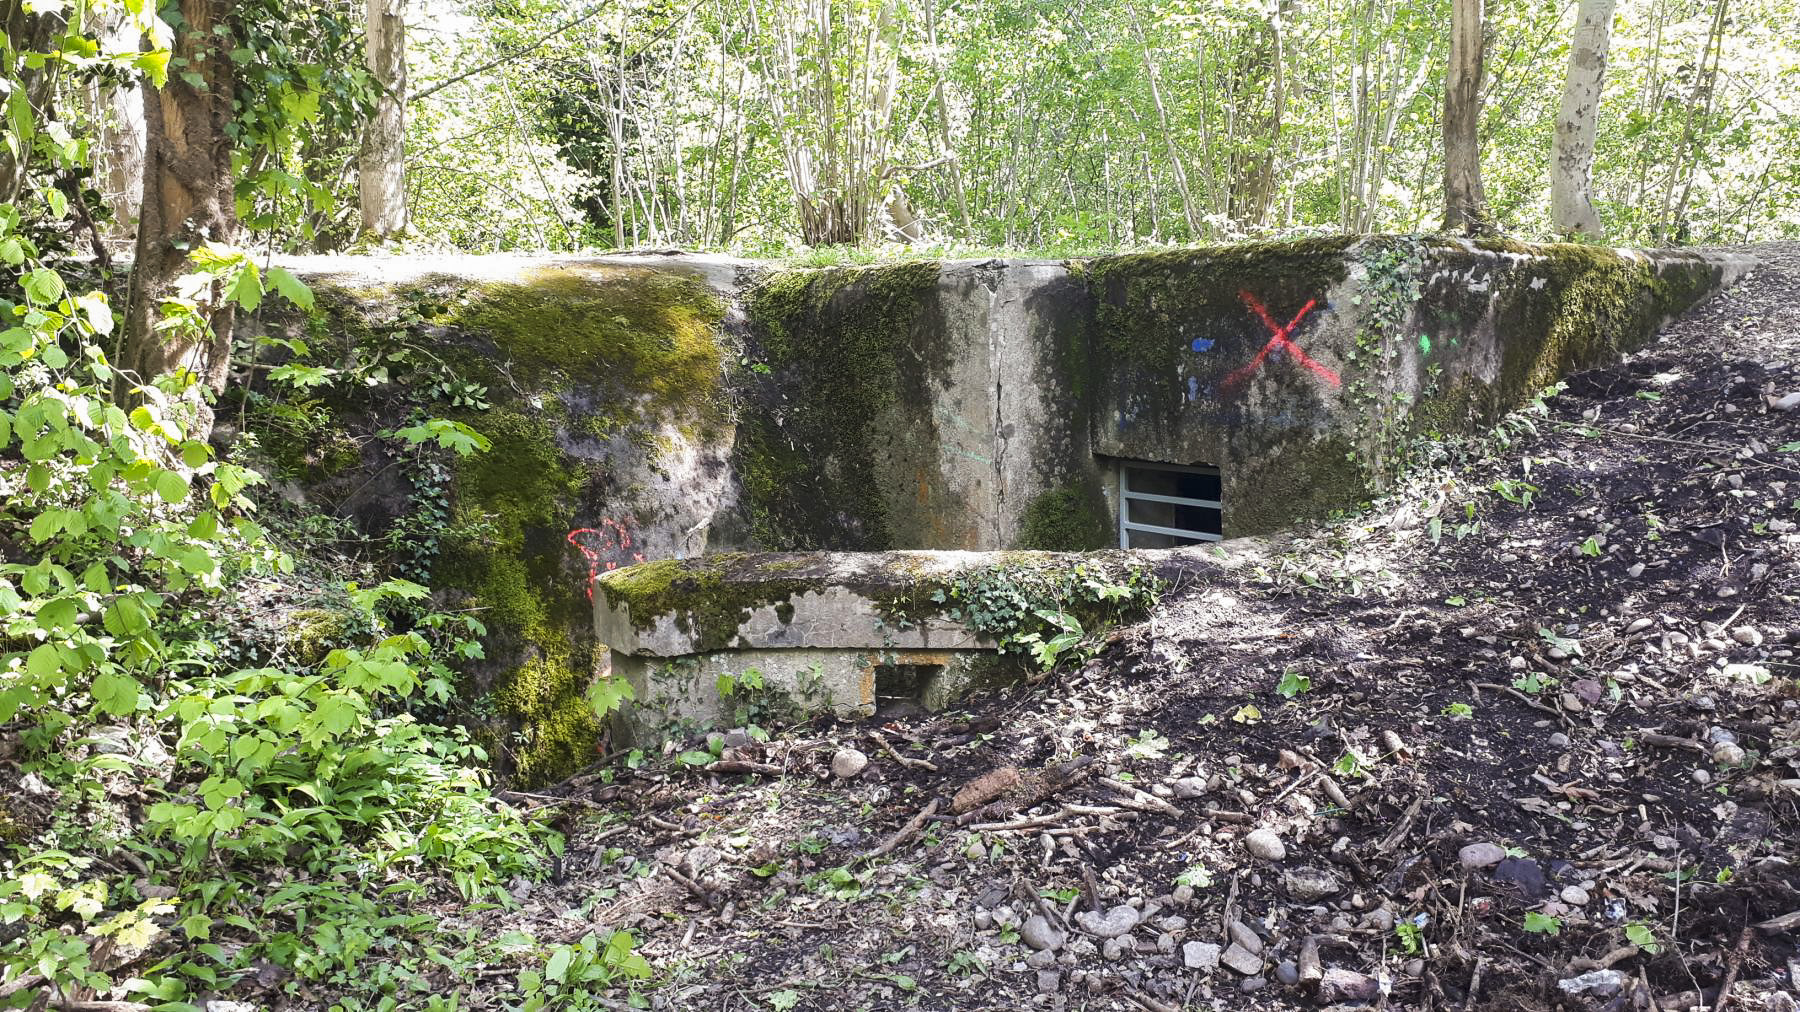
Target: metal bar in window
point(1174, 532)
point(1211, 504)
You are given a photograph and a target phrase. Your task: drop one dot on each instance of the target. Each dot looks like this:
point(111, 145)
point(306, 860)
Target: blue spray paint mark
point(1203, 344)
point(1193, 390)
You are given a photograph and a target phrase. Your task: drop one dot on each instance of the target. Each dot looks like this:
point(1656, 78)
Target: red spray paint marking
point(604, 547)
point(1240, 377)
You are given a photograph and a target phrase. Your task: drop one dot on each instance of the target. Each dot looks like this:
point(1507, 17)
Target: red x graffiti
point(605, 547)
point(1239, 378)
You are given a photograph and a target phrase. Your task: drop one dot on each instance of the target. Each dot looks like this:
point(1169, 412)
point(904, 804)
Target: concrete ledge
point(745, 638)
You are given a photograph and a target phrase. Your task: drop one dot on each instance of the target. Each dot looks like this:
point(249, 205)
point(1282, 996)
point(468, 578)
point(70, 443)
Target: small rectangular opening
point(903, 685)
point(1168, 505)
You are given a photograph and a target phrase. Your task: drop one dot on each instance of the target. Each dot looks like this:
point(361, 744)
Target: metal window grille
point(1167, 505)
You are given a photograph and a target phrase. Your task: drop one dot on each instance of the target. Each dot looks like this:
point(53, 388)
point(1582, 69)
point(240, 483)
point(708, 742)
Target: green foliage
point(1542, 924)
point(318, 768)
point(1038, 611)
point(1292, 684)
point(571, 972)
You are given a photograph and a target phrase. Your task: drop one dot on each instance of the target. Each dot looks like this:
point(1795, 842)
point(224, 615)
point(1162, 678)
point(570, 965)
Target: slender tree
point(1572, 147)
point(188, 200)
point(381, 180)
point(1465, 203)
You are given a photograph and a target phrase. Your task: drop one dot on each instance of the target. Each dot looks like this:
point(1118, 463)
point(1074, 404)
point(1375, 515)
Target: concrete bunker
point(683, 409)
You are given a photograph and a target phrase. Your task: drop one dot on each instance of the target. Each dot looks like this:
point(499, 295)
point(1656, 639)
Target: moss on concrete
point(1070, 518)
point(513, 506)
point(709, 597)
point(646, 338)
point(849, 354)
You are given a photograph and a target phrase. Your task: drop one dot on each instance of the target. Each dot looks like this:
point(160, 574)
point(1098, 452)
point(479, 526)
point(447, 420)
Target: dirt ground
point(1540, 748)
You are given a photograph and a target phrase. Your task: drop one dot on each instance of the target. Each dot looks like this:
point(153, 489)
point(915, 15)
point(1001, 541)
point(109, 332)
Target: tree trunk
point(119, 117)
point(381, 182)
point(27, 32)
point(1465, 204)
point(187, 200)
point(1572, 149)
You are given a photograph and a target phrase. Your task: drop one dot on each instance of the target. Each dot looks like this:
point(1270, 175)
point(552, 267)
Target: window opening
point(1167, 505)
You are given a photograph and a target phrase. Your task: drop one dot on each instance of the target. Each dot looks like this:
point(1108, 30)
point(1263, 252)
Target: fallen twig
point(1736, 963)
point(905, 832)
point(917, 764)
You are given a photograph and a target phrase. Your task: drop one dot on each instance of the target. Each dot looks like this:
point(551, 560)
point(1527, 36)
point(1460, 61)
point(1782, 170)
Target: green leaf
point(558, 967)
point(291, 287)
point(171, 487)
point(1292, 684)
point(115, 693)
point(42, 285)
point(1541, 924)
point(247, 289)
point(195, 453)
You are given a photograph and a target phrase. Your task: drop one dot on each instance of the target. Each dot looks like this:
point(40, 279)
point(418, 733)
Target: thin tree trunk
point(1572, 148)
point(1176, 166)
point(118, 112)
point(187, 202)
point(1465, 203)
point(943, 119)
point(381, 178)
point(27, 32)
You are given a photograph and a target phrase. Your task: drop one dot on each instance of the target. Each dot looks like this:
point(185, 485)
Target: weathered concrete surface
point(815, 628)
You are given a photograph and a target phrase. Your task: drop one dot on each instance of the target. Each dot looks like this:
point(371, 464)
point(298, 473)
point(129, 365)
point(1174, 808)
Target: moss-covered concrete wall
point(603, 386)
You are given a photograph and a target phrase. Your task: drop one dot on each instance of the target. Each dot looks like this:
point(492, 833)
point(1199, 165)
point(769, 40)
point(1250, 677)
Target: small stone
point(1381, 920)
point(1111, 924)
point(848, 762)
point(1309, 883)
point(1341, 985)
point(1041, 960)
point(1702, 777)
point(1747, 636)
point(1638, 626)
point(1727, 754)
point(1635, 570)
point(1189, 787)
point(1288, 972)
point(983, 920)
point(1038, 933)
point(1716, 735)
point(1481, 855)
point(1165, 942)
point(1049, 982)
point(1251, 984)
point(975, 851)
point(1600, 983)
point(1113, 949)
point(1200, 956)
point(737, 737)
point(1774, 1001)
point(1242, 960)
point(1183, 894)
point(1265, 844)
point(1243, 935)
point(1574, 895)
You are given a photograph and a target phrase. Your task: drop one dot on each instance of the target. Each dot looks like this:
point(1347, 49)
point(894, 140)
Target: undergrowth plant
point(1047, 613)
point(176, 817)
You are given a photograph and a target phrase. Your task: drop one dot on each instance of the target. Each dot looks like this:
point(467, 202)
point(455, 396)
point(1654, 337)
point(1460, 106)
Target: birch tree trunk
point(118, 112)
point(1572, 148)
point(381, 180)
point(187, 201)
point(1465, 203)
